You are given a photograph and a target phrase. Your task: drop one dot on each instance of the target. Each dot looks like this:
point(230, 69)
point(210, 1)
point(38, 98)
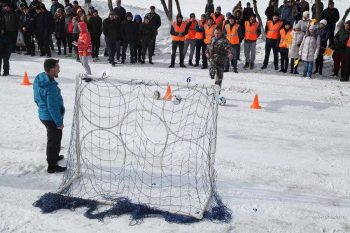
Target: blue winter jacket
point(47, 96)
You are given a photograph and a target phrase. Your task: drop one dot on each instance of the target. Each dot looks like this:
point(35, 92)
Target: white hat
point(306, 13)
point(324, 22)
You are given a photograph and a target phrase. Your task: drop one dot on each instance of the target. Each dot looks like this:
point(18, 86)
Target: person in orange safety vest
point(178, 32)
point(285, 41)
point(251, 34)
point(190, 39)
point(200, 45)
point(272, 30)
point(234, 35)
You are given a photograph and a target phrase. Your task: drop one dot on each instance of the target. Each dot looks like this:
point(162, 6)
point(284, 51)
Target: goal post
point(128, 141)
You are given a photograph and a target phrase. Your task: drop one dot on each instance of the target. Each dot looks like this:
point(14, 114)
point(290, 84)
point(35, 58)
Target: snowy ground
point(285, 168)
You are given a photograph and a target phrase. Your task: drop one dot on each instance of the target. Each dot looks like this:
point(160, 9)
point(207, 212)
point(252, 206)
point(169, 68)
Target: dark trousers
point(61, 40)
point(4, 58)
point(53, 146)
point(111, 47)
point(147, 47)
point(201, 47)
point(271, 44)
point(118, 49)
point(154, 45)
point(138, 53)
point(319, 60)
point(28, 40)
point(125, 47)
point(96, 43)
point(331, 29)
point(284, 59)
point(339, 61)
point(13, 39)
point(346, 67)
point(69, 39)
point(43, 43)
point(75, 38)
point(175, 45)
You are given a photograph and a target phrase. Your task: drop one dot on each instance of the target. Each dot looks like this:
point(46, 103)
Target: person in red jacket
point(84, 46)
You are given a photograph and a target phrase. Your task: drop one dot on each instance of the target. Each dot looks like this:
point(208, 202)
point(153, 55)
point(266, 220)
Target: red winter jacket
point(84, 41)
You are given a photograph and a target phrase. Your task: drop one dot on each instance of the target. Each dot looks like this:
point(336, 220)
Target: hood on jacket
point(44, 80)
point(83, 27)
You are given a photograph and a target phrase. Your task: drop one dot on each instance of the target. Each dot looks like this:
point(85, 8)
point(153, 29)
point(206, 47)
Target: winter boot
point(252, 66)
point(190, 63)
point(246, 66)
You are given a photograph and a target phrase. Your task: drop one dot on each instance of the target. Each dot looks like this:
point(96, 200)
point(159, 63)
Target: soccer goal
point(151, 143)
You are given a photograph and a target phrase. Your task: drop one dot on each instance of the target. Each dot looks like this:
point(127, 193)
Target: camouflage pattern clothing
point(217, 52)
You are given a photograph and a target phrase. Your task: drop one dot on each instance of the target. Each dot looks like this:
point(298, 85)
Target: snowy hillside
point(282, 169)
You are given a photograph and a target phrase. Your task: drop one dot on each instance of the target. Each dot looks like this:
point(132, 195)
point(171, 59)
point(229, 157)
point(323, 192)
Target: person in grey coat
point(305, 21)
point(309, 50)
point(293, 54)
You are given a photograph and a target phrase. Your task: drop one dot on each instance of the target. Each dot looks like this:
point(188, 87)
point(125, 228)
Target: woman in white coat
point(297, 36)
point(309, 50)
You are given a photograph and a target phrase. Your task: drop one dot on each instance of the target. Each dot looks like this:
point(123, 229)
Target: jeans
point(249, 51)
point(235, 52)
point(308, 66)
point(192, 44)
point(85, 62)
point(53, 146)
point(201, 47)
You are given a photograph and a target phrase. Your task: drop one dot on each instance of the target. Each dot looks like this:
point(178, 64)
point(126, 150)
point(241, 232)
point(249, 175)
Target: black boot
point(246, 66)
point(55, 169)
point(252, 66)
point(190, 63)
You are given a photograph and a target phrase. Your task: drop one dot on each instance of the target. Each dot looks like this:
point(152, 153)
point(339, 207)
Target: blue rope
point(51, 202)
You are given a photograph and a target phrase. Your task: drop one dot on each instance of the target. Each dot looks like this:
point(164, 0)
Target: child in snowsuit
point(84, 46)
point(309, 50)
point(293, 54)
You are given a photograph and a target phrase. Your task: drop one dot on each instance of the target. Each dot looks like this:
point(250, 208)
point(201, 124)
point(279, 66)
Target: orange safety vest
point(191, 35)
point(232, 34)
point(209, 33)
point(348, 44)
point(224, 24)
point(200, 35)
point(251, 31)
point(273, 30)
point(178, 29)
point(219, 19)
point(285, 38)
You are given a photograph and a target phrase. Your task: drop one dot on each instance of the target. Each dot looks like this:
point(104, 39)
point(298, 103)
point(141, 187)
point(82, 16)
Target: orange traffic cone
point(168, 96)
point(255, 104)
point(26, 81)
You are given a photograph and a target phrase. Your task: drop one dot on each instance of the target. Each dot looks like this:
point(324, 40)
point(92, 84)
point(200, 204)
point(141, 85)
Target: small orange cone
point(168, 96)
point(255, 104)
point(26, 81)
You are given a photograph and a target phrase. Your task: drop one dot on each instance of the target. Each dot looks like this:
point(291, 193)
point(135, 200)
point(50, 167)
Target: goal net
point(137, 140)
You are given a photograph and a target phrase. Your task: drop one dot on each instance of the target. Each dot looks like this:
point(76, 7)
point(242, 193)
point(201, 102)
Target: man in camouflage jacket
point(217, 52)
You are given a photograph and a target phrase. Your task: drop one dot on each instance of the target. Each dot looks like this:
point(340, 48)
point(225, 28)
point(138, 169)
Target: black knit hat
point(179, 16)
point(129, 14)
point(347, 22)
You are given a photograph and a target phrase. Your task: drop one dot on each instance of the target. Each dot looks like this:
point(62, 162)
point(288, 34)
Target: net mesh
point(126, 142)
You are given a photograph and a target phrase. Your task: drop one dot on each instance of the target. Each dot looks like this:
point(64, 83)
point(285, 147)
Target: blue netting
point(51, 202)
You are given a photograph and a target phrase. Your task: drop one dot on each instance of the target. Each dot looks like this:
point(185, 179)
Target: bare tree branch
point(166, 10)
point(260, 21)
point(110, 5)
point(170, 8)
point(178, 7)
point(318, 10)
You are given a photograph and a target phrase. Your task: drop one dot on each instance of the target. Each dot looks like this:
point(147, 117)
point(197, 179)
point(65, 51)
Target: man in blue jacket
point(47, 96)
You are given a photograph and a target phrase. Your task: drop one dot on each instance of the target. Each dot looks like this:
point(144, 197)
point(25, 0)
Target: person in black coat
point(26, 23)
point(128, 32)
point(313, 9)
point(5, 53)
point(155, 21)
point(60, 31)
point(43, 29)
point(147, 34)
point(331, 14)
point(11, 25)
point(247, 12)
point(119, 10)
point(209, 8)
point(95, 29)
point(339, 47)
point(138, 44)
point(270, 10)
point(111, 30)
